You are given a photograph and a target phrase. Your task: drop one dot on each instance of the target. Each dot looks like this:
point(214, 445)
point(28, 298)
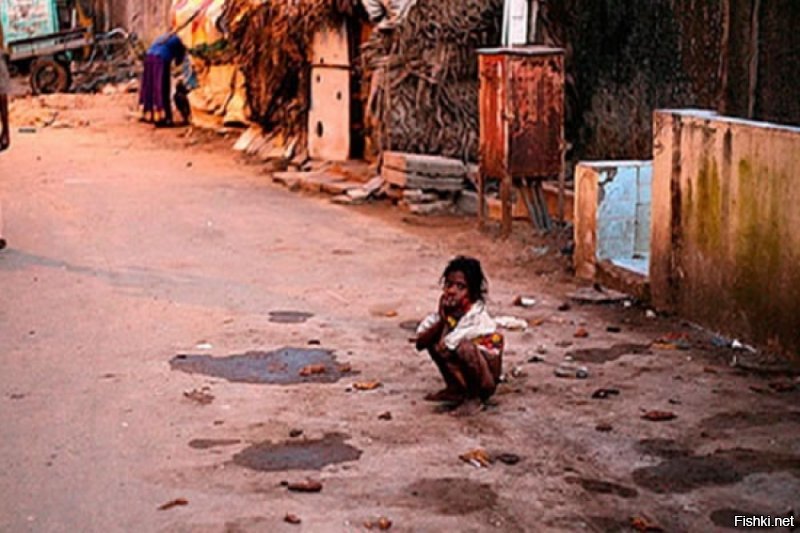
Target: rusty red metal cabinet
point(521, 124)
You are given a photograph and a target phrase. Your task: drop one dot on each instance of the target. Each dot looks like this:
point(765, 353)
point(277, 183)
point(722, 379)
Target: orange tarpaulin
point(203, 29)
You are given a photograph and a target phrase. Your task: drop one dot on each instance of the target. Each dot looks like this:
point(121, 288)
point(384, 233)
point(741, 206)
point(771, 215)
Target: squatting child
point(462, 338)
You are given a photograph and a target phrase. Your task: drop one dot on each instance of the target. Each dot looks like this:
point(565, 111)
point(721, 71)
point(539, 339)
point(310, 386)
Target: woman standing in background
point(155, 92)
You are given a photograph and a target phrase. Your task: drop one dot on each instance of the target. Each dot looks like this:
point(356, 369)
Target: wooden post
point(506, 187)
point(481, 197)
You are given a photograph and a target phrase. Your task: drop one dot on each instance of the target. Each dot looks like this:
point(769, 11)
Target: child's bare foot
point(445, 395)
point(469, 407)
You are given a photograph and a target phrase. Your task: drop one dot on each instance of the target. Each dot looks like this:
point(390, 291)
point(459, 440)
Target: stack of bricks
point(423, 184)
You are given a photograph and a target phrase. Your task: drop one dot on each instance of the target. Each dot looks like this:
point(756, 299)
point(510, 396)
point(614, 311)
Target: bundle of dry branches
point(423, 96)
point(272, 45)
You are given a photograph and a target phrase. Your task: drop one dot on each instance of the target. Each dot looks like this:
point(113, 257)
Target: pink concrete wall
point(725, 239)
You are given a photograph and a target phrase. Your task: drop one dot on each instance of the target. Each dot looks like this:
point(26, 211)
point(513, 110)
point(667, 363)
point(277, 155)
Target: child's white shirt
point(475, 323)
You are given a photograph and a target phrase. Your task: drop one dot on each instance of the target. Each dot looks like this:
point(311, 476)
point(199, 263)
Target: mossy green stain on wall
point(767, 272)
point(706, 208)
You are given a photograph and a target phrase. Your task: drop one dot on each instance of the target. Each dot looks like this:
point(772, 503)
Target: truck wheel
point(49, 76)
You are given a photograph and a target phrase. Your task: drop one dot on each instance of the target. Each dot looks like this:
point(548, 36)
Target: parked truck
point(58, 40)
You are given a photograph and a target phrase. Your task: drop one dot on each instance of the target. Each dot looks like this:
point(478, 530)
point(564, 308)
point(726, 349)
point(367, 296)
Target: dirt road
point(139, 260)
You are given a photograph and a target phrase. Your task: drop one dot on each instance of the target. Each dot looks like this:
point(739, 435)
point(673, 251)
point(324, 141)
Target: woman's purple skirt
point(154, 90)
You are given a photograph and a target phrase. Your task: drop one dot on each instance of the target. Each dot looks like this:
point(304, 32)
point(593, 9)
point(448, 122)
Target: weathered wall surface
point(612, 214)
point(148, 18)
point(624, 61)
point(725, 242)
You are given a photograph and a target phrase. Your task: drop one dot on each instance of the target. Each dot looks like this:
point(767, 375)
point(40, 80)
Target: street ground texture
point(140, 259)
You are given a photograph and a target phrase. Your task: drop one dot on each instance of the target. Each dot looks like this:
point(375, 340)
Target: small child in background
point(181, 99)
point(462, 338)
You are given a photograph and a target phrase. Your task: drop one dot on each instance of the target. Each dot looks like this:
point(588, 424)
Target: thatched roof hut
point(271, 41)
point(416, 73)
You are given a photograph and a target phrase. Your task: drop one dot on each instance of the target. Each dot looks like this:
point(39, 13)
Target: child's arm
point(431, 334)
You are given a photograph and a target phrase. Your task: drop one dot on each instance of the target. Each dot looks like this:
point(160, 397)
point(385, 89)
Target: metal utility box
point(521, 123)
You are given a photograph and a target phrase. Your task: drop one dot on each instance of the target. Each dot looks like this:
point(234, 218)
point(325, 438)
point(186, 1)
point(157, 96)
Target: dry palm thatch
point(424, 72)
point(272, 44)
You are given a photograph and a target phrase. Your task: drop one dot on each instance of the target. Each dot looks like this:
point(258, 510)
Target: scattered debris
point(614, 329)
point(291, 519)
point(604, 427)
point(309, 485)
point(663, 346)
point(564, 307)
point(602, 394)
point(345, 368)
point(508, 458)
point(366, 385)
point(535, 359)
point(569, 371)
point(643, 524)
point(385, 416)
point(479, 458)
point(581, 333)
point(659, 416)
point(524, 301)
point(174, 503)
point(201, 396)
point(312, 370)
point(737, 345)
point(517, 372)
point(511, 323)
point(650, 314)
point(783, 386)
point(720, 341)
point(381, 523)
point(539, 251)
point(597, 295)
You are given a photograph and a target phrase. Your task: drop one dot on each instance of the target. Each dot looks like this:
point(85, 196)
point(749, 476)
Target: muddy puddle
point(683, 472)
point(598, 486)
point(745, 419)
point(280, 367)
point(298, 454)
point(409, 325)
point(604, 355)
point(663, 448)
point(205, 444)
point(289, 317)
point(450, 496)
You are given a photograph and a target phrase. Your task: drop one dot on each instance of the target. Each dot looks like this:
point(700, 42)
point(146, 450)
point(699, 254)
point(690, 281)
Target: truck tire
point(49, 75)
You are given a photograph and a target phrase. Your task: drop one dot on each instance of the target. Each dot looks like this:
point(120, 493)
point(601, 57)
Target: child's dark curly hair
point(477, 285)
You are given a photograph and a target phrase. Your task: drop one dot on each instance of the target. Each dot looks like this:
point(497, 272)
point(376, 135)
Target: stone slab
point(416, 181)
point(426, 165)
